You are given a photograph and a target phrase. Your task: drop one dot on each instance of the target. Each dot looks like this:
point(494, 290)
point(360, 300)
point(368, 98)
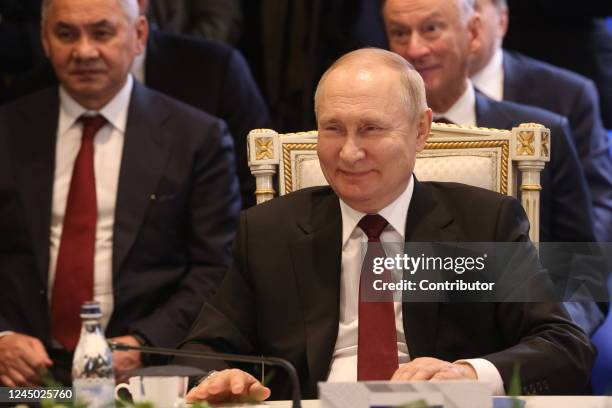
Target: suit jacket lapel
point(517, 85)
point(428, 221)
point(316, 262)
point(34, 161)
point(145, 150)
point(487, 115)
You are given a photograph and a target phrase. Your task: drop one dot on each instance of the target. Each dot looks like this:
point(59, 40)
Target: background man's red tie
point(377, 338)
point(73, 284)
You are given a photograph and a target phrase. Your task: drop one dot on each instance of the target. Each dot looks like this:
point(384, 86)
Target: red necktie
point(377, 338)
point(73, 284)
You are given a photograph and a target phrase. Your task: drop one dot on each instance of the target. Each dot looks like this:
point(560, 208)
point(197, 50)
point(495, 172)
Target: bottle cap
point(91, 310)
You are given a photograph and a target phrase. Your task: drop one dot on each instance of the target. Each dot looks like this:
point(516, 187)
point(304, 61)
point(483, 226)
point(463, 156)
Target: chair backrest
point(505, 161)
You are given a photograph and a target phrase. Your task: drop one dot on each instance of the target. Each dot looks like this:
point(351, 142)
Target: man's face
point(494, 24)
point(433, 36)
point(91, 44)
point(367, 139)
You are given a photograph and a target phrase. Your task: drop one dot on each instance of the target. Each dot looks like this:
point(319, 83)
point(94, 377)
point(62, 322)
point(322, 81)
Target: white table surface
point(532, 402)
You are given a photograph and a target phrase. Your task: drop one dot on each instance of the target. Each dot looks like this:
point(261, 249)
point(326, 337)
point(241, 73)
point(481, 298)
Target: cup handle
point(120, 387)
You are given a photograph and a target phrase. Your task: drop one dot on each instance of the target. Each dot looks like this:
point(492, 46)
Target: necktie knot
point(91, 125)
point(373, 225)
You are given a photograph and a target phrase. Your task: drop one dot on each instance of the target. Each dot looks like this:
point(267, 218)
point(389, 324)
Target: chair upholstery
point(494, 159)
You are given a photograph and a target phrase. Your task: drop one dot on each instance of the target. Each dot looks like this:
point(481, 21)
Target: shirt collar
point(395, 214)
point(490, 79)
point(463, 111)
point(115, 111)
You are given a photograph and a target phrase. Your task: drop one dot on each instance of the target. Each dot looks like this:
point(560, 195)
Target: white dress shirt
point(108, 149)
point(463, 111)
point(344, 359)
point(490, 79)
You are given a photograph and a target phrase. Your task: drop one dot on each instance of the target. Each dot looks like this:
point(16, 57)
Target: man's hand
point(229, 386)
point(427, 368)
point(126, 360)
point(22, 359)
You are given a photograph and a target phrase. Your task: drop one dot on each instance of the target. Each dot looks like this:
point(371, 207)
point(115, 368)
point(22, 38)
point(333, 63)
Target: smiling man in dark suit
point(508, 75)
point(109, 191)
point(438, 38)
point(294, 288)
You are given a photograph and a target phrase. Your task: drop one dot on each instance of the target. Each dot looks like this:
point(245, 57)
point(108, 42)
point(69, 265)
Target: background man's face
point(431, 35)
point(367, 140)
point(91, 44)
point(494, 25)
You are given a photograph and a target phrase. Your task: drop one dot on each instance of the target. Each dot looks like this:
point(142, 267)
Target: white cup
point(163, 392)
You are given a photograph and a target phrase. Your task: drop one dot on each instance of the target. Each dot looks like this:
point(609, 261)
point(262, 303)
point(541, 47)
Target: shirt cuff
point(487, 372)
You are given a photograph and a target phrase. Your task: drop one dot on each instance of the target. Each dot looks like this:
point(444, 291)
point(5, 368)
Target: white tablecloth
point(532, 402)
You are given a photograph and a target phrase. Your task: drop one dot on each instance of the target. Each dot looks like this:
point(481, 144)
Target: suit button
point(42, 292)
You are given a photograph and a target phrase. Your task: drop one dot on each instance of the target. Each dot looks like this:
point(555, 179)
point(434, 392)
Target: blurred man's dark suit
point(565, 202)
point(531, 82)
point(207, 75)
point(565, 205)
point(282, 295)
point(175, 215)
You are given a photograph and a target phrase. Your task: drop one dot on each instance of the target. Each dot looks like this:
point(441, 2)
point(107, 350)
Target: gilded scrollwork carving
point(526, 140)
point(264, 148)
point(545, 144)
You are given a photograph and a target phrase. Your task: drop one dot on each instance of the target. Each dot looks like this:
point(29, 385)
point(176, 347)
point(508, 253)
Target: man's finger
point(427, 372)
point(404, 372)
point(259, 392)
point(30, 374)
point(239, 384)
point(40, 350)
point(7, 381)
point(18, 378)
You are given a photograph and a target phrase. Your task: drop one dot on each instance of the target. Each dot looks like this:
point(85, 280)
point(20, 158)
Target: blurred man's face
point(91, 44)
point(433, 36)
point(367, 140)
point(494, 25)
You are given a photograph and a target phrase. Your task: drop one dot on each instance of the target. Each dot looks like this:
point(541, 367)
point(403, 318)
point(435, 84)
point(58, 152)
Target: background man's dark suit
point(282, 295)
point(565, 205)
point(175, 215)
point(532, 82)
point(207, 75)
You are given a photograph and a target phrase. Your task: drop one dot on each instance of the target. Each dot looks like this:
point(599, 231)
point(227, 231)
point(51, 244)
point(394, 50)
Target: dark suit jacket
point(565, 202)
point(207, 75)
point(218, 20)
point(281, 296)
point(175, 215)
point(532, 82)
point(573, 36)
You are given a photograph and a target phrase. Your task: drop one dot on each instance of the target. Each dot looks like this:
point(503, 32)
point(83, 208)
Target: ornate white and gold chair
point(508, 162)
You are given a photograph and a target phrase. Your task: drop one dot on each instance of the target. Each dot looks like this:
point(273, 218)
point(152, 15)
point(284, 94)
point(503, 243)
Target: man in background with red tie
point(108, 192)
point(296, 288)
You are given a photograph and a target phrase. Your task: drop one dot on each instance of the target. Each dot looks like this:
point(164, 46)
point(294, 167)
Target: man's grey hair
point(412, 88)
point(467, 8)
point(129, 6)
point(498, 4)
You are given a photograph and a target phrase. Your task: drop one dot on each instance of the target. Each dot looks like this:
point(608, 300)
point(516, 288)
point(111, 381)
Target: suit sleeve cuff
point(487, 372)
